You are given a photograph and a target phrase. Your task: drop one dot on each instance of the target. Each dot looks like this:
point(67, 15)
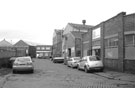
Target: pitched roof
point(5, 43)
point(21, 43)
point(80, 26)
point(58, 31)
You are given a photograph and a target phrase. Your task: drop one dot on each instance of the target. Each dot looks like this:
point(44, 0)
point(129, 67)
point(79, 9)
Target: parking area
point(57, 75)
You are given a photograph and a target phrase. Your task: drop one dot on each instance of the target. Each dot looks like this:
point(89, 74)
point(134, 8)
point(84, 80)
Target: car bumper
point(58, 60)
point(23, 68)
point(95, 68)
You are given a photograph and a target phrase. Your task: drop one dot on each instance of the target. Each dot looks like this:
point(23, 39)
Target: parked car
point(58, 59)
point(72, 62)
point(89, 63)
point(23, 64)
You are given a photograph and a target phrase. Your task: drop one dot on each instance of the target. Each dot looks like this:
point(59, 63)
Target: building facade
point(57, 43)
point(72, 39)
point(113, 40)
point(24, 48)
point(43, 51)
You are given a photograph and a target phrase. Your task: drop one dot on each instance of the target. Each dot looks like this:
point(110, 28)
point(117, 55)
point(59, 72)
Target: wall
point(114, 28)
point(86, 44)
point(129, 27)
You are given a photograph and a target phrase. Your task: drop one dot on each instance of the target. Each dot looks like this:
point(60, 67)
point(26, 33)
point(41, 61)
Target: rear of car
point(73, 62)
point(94, 63)
point(58, 59)
point(23, 64)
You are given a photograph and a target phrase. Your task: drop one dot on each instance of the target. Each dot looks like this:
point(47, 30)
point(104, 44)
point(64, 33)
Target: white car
point(58, 59)
point(89, 63)
point(72, 62)
point(23, 64)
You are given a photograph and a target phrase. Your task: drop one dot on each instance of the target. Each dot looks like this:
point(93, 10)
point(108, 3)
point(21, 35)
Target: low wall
point(129, 66)
point(111, 64)
point(4, 62)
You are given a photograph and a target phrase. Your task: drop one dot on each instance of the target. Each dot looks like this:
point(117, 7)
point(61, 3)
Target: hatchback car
point(23, 64)
point(72, 62)
point(89, 63)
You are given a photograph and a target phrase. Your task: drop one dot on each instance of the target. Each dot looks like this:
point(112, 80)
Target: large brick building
point(113, 40)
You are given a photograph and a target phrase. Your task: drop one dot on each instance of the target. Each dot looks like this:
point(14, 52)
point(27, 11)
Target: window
point(111, 42)
point(48, 48)
point(46, 54)
point(43, 48)
point(129, 39)
point(38, 48)
point(78, 53)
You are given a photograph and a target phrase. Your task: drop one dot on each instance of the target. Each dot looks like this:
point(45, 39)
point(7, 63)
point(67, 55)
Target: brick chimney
point(83, 21)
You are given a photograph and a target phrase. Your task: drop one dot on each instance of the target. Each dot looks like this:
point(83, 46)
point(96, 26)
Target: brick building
point(43, 51)
point(113, 40)
point(72, 39)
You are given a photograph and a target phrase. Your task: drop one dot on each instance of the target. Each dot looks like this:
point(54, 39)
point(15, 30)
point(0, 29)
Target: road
point(49, 75)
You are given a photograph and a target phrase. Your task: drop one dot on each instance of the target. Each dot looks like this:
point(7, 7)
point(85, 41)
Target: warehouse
point(114, 41)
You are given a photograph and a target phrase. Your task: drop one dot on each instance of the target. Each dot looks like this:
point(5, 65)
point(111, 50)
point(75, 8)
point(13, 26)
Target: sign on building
point(96, 33)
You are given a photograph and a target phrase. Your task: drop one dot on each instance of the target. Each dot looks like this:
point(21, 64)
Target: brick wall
point(129, 22)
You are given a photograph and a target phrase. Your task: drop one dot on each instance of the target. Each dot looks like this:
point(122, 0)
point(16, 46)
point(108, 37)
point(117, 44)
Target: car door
point(84, 62)
point(69, 62)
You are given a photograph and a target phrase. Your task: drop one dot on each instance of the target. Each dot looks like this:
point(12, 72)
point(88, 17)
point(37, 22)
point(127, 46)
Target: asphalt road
point(49, 75)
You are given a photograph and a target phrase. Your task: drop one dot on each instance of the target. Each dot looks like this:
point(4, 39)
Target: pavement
point(118, 76)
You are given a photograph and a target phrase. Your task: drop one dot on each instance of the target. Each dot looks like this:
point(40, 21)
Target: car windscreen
point(94, 58)
point(23, 59)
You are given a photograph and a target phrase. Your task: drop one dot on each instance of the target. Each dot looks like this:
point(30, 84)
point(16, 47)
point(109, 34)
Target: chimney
point(83, 21)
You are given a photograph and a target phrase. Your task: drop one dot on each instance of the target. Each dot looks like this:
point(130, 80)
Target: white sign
point(73, 49)
point(96, 33)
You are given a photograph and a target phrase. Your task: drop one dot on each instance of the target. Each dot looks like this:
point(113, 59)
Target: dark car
point(58, 59)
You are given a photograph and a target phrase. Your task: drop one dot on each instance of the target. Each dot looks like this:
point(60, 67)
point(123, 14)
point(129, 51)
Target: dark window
point(69, 52)
point(78, 53)
point(111, 42)
point(129, 39)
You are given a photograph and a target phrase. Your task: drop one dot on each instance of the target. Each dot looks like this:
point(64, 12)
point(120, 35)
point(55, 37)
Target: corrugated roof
point(5, 43)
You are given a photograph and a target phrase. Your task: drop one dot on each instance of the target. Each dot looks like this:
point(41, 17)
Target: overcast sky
point(35, 20)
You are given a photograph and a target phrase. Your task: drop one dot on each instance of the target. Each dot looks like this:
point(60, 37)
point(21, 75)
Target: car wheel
point(102, 69)
point(32, 71)
point(14, 71)
point(86, 69)
point(54, 61)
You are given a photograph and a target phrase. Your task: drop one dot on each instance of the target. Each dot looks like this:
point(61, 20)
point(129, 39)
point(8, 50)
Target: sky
point(36, 20)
